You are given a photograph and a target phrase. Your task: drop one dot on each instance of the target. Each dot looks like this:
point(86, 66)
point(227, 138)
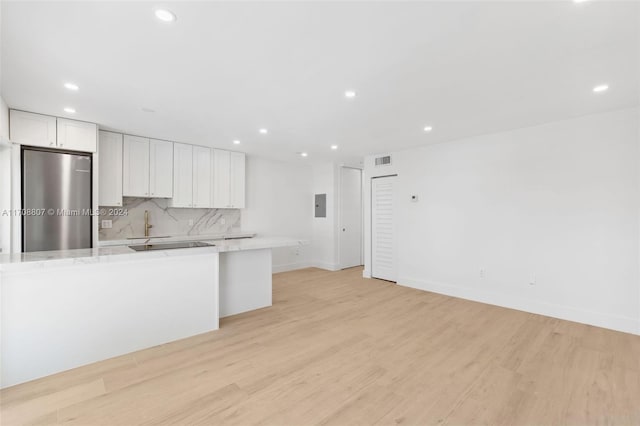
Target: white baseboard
point(326, 266)
point(290, 267)
point(599, 319)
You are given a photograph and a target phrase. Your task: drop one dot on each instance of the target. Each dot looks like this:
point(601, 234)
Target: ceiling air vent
point(383, 161)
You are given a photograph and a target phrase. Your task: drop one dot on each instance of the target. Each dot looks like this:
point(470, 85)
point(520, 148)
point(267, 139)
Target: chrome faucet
point(147, 225)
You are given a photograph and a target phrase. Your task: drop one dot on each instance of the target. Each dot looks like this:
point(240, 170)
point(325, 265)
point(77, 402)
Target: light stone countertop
point(160, 239)
point(21, 262)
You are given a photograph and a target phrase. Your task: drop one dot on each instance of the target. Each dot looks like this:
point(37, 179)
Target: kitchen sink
point(169, 246)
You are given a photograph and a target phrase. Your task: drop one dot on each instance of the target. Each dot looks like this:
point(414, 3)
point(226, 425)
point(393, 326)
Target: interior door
point(383, 229)
point(350, 217)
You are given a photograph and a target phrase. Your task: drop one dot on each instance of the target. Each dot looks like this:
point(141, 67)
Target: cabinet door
point(135, 167)
point(182, 175)
point(221, 170)
point(110, 169)
point(32, 129)
point(77, 135)
point(160, 169)
point(201, 177)
point(236, 180)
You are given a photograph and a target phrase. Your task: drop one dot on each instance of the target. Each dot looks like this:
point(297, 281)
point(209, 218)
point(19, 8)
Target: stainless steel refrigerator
point(56, 200)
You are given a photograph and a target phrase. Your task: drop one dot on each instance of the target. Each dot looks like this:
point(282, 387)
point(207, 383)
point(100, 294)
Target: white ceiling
point(225, 69)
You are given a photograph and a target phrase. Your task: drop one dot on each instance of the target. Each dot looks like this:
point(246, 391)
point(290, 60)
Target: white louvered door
point(383, 229)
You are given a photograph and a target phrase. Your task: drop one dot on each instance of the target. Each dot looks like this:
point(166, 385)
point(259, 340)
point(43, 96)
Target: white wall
point(5, 179)
point(280, 203)
point(556, 204)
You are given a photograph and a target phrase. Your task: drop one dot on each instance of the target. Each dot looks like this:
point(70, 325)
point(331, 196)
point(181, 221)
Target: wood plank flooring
point(336, 349)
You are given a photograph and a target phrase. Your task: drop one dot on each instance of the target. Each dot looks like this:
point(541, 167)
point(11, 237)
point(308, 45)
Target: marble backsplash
point(165, 220)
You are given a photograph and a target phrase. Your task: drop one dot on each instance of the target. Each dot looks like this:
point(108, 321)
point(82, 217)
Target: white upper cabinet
point(77, 135)
point(221, 179)
point(182, 175)
point(160, 169)
point(110, 169)
point(201, 177)
point(27, 128)
point(135, 167)
point(228, 179)
point(237, 180)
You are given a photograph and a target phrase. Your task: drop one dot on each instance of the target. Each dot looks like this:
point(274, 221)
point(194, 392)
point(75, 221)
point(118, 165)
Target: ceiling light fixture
point(428, 129)
point(350, 94)
point(165, 16)
point(303, 154)
point(236, 142)
point(580, 1)
point(71, 86)
point(601, 88)
point(334, 147)
point(70, 110)
point(263, 131)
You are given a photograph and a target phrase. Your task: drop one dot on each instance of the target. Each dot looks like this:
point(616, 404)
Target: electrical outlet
point(481, 273)
point(190, 222)
point(222, 221)
point(107, 224)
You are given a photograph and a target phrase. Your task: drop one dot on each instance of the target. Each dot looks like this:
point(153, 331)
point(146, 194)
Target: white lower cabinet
point(201, 177)
point(135, 167)
point(228, 179)
point(182, 175)
point(109, 169)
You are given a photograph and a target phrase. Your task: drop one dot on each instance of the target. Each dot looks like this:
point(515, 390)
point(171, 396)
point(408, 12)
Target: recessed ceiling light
point(236, 142)
point(580, 1)
point(70, 110)
point(350, 94)
point(149, 110)
point(601, 88)
point(165, 15)
point(303, 154)
point(428, 129)
point(71, 86)
point(263, 131)
point(334, 147)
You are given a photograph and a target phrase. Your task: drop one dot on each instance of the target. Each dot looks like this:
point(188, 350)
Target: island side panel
point(245, 281)
point(55, 319)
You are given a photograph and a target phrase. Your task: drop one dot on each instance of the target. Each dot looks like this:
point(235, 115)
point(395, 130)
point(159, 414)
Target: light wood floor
point(338, 349)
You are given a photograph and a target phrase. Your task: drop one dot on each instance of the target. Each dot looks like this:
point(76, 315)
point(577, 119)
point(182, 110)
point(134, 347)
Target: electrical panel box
point(321, 205)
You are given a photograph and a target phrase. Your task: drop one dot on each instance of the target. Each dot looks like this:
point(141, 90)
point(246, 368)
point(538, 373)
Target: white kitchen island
point(63, 309)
